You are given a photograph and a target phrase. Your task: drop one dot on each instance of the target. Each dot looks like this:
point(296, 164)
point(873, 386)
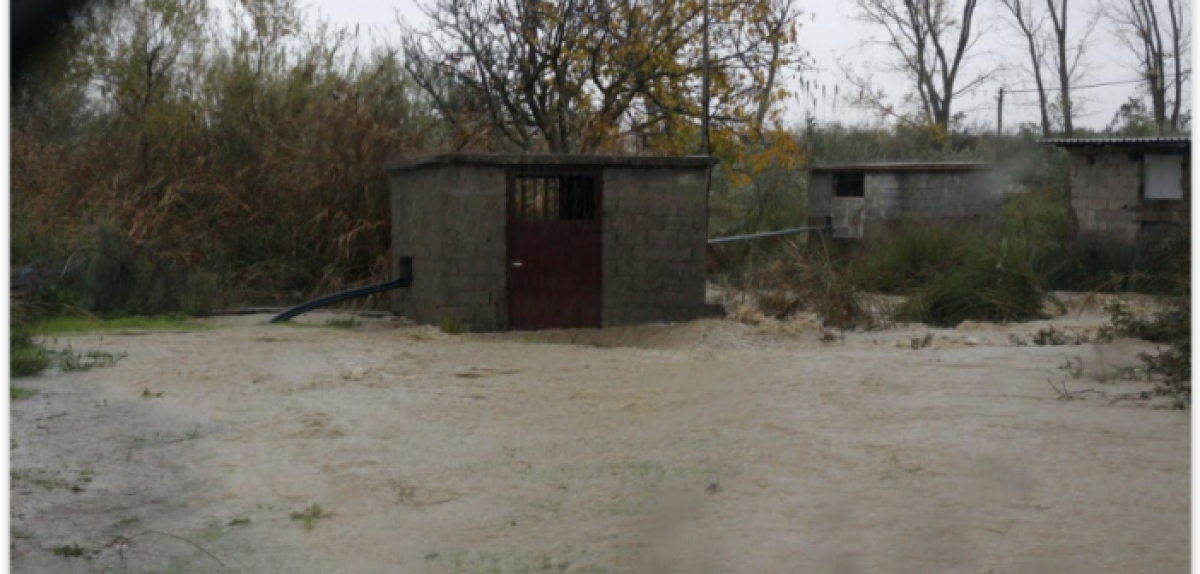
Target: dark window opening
point(405, 267)
point(848, 184)
point(555, 198)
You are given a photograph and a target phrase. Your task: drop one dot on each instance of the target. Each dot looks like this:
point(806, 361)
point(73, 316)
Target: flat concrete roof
point(904, 166)
point(686, 162)
point(1158, 142)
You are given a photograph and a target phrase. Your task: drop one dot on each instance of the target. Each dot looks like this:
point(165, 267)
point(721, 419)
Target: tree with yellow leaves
point(589, 76)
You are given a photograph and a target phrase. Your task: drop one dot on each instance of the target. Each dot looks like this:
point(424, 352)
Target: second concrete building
point(866, 201)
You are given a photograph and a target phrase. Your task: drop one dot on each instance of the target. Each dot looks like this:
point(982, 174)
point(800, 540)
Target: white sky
point(830, 33)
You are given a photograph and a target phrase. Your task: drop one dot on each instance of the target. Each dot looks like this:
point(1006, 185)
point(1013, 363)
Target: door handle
point(518, 264)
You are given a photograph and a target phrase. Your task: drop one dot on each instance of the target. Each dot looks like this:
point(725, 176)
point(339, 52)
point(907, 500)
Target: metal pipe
point(793, 231)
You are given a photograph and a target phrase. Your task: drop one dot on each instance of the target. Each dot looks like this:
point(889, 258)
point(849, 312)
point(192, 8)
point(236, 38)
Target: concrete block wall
point(474, 249)
point(932, 195)
point(654, 230)
point(820, 194)
point(891, 197)
point(414, 205)
point(1106, 198)
point(451, 220)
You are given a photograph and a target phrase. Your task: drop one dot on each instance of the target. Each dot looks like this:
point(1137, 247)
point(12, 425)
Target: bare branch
point(931, 45)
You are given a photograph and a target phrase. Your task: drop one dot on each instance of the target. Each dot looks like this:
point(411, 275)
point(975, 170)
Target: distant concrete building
point(865, 201)
point(1126, 190)
point(499, 242)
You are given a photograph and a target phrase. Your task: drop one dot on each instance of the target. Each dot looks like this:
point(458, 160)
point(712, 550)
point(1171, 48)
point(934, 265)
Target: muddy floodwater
point(715, 446)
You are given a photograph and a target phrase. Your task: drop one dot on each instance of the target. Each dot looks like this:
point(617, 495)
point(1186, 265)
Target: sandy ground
point(714, 446)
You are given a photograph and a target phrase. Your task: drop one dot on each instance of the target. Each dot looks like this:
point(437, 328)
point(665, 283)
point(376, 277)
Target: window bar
point(524, 200)
point(519, 199)
point(573, 185)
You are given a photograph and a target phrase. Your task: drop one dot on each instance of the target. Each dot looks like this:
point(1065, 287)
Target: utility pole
point(704, 89)
point(1000, 114)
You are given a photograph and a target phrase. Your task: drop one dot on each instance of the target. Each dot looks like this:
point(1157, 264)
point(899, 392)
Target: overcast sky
point(831, 34)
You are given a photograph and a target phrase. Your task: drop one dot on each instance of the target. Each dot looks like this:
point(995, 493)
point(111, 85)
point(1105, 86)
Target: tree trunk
point(1025, 25)
point(1175, 33)
point(1064, 70)
point(1158, 64)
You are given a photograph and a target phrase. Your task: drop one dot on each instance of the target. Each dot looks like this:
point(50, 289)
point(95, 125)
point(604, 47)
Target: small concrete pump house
point(1126, 190)
point(523, 242)
point(866, 201)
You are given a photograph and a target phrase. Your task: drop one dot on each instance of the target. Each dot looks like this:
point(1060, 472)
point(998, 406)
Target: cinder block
point(1123, 216)
point(681, 253)
point(646, 284)
point(660, 239)
point(458, 283)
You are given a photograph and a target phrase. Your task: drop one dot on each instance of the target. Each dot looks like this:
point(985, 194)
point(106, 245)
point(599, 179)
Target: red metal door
point(554, 265)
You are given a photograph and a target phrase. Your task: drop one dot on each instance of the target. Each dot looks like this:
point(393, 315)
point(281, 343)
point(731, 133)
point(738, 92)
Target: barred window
point(555, 198)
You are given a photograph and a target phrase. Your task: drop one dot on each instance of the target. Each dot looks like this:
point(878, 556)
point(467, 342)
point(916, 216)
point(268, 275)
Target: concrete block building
point(523, 242)
point(864, 201)
point(1126, 190)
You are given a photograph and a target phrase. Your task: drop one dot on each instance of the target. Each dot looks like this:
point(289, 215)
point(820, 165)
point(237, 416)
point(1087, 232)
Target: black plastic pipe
point(342, 296)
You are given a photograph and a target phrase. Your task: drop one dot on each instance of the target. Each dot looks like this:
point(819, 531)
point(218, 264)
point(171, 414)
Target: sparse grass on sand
point(82, 324)
point(309, 517)
point(347, 323)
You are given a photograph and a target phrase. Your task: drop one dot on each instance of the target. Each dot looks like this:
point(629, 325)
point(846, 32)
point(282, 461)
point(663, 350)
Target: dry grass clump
point(807, 278)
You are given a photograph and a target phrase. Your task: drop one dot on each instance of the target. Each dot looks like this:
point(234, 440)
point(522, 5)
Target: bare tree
point(1030, 17)
point(580, 75)
point(1067, 63)
point(931, 39)
point(1141, 26)
point(1030, 25)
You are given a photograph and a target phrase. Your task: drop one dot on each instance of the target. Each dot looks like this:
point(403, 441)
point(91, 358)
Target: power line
point(1100, 85)
point(1000, 98)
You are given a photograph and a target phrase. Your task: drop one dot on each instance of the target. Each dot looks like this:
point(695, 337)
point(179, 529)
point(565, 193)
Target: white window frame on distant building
point(1162, 177)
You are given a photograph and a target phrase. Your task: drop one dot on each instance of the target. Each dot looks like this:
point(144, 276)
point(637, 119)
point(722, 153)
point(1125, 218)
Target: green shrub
point(26, 357)
point(1042, 216)
point(1169, 275)
point(911, 258)
point(985, 281)
point(956, 272)
point(1170, 325)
